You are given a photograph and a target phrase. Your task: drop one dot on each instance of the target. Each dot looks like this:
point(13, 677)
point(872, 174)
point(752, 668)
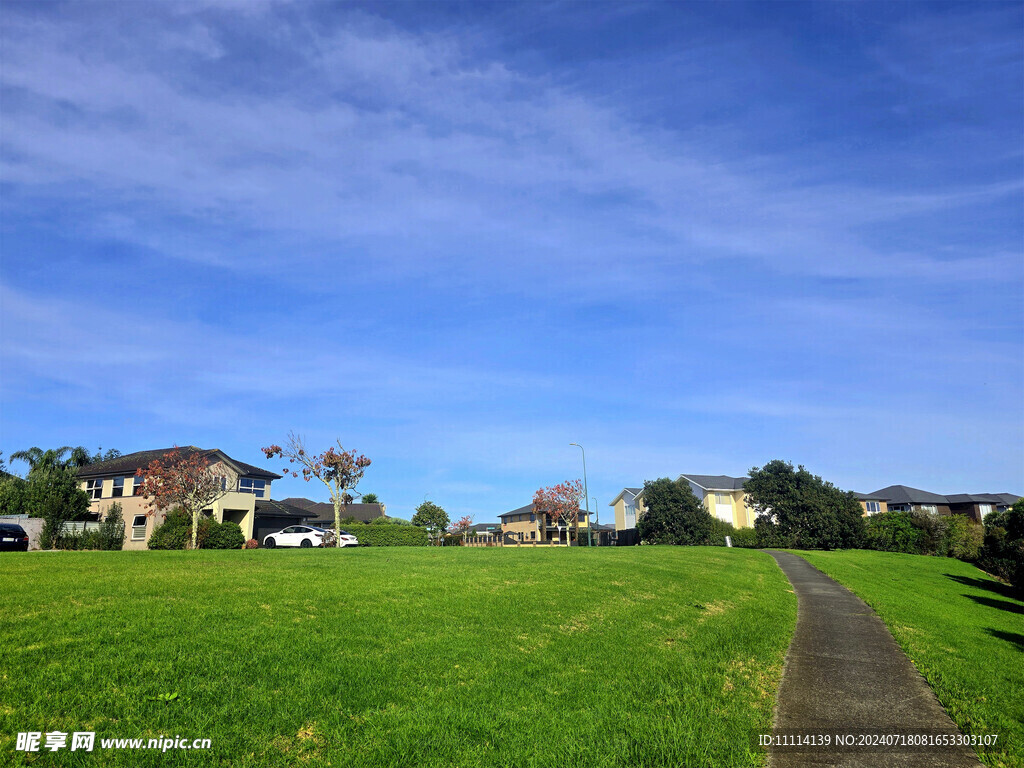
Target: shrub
point(894, 532)
point(111, 532)
point(226, 535)
point(1002, 553)
point(378, 535)
point(719, 530)
point(252, 544)
point(745, 537)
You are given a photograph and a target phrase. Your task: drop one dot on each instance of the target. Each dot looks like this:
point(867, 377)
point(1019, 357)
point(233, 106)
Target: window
point(899, 508)
point(252, 485)
point(984, 509)
point(929, 508)
point(137, 482)
point(872, 506)
point(118, 488)
point(94, 488)
point(139, 528)
point(723, 498)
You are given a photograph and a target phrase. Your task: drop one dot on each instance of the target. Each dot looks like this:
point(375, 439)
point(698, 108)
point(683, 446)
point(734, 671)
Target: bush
point(719, 530)
point(378, 535)
point(252, 544)
point(1002, 553)
point(169, 536)
point(111, 532)
point(894, 532)
point(745, 537)
point(226, 535)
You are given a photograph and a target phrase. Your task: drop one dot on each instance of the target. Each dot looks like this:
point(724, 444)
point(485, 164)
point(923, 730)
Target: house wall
point(742, 515)
point(883, 507)
point(234, 506)
point(620, 514)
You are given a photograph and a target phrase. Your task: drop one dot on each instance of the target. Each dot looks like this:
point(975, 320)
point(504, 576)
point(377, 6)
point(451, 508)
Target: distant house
point(273, 516)
point(721, 495)
point(903, 498)
point(323, 511)
point(872, 503)
point(114, 481)
point(527, 525)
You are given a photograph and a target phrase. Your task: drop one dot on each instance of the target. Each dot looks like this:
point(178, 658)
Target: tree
point(461, 526)
point(65, 456)
point(674, 515)
point(370, 498)
point(433, 518)
point(562, 504)
point(338, 469)
point(798, 509)
point(185, 480)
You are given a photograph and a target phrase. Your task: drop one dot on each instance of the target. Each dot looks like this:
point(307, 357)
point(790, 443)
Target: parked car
point(347, 539)
point(13, 538)
point(295, 536)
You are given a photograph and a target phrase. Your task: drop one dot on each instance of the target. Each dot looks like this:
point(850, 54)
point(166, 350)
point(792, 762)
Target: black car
point(13, 538)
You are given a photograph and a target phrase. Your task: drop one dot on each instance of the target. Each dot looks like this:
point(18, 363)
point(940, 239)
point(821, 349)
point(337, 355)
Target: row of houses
point(246, 502)
point(724, 498)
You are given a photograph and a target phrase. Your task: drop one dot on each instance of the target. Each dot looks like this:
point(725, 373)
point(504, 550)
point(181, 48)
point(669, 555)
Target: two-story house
point(721, 495)
point(115, 481)
point(527, 525)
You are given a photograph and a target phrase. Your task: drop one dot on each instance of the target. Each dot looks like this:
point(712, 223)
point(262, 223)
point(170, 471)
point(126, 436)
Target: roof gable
point(716, 482)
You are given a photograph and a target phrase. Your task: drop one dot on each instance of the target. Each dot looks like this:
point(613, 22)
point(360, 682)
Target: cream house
point(721, 495)
point(115, 481)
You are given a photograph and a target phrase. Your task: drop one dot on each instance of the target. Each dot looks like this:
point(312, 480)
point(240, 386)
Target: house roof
point(632, 492)
point(982, 498)
point(528, 509)
point(485, 527)
point(324, 511)
point(129, 463)
point(869, 496)
point(269, 508)
point(717, 482)
point(904, 494)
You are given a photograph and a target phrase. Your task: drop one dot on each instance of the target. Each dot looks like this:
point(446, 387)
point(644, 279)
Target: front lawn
point(641, 656)
point(963, 630)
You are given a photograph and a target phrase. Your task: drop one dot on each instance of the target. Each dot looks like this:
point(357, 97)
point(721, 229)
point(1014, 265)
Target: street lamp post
point(590, 538)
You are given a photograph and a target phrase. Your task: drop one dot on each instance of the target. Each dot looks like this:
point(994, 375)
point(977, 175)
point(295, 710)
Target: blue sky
point(458, 237)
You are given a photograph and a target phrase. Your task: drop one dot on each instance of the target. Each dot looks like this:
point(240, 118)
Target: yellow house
point(115, 481)
point(872, 503)
point(721, 495)
point(528, 526)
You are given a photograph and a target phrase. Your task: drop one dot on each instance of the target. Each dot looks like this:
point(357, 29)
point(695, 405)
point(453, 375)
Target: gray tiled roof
point(129, 463)
point(526, 510)
point(324, 511)
point(717, 482)
point(904, 494)
point(269, 508)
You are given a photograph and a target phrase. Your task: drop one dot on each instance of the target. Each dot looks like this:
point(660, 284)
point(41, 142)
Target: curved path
point(845, 674)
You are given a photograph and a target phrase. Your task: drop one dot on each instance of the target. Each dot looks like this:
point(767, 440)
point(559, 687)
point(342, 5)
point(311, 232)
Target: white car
point(347, 539)
point(295, 536)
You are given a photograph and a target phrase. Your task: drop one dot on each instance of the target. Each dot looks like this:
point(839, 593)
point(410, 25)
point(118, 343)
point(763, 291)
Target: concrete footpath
point(845, 674)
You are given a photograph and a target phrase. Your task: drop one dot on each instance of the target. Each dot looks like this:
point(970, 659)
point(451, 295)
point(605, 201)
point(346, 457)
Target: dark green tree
point(370, 498)
point(798, 509)
point(674, 515)
point(433, 518)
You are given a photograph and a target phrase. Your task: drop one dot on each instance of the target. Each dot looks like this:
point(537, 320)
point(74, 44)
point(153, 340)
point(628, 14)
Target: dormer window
point(252, 485)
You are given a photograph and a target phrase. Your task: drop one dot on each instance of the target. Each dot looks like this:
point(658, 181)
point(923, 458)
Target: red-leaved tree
point(561, 503)
point(338, 469)
point(460, 526)
point(182, 479)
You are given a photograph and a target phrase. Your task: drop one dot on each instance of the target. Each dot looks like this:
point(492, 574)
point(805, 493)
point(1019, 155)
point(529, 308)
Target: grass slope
point(963, 630)
point(642, 656)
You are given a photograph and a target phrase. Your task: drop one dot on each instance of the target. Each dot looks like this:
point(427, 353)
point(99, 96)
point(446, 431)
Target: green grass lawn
point(641, 656)
point(963, 630)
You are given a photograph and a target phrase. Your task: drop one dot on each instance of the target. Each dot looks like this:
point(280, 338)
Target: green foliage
point(13, 496)
point(1002, 553)
point(806, 511)
point(893, 532)
point(746, 538)
point(377, 535)
point(385, 520)
point(176, 533)
point(924, 534)
point(370, 498)
point(719, 530)
point(226, 535)
point(432, 517)
point(674, 515)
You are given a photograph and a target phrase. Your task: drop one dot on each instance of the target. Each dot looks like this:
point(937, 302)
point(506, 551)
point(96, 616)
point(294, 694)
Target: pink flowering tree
point(182, 479)
point(338, 469)
point(461, 526)
point(561, 503)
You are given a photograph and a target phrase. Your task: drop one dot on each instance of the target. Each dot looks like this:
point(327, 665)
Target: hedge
point(378, 535)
